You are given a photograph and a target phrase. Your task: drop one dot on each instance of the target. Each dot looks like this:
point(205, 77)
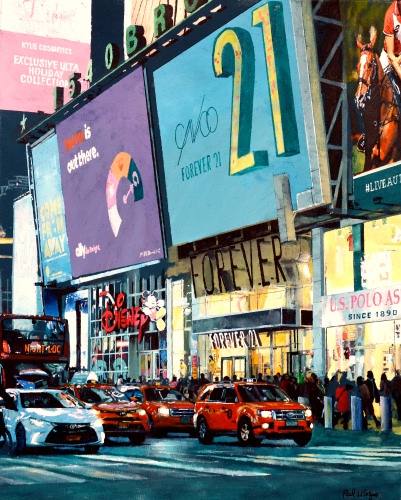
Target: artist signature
point(354, 493)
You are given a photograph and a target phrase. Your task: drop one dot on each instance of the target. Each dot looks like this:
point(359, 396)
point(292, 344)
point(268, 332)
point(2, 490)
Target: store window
point(339, 261)
point(137, 347)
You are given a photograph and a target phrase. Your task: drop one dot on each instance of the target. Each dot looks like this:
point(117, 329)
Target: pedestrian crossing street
point(77, 468)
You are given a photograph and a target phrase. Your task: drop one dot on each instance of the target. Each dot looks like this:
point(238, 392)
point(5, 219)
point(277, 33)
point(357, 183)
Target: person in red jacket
point(343, 399)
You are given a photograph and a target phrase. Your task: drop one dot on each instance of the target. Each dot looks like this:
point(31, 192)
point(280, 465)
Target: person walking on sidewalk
point(396, 392)
point(364, 394)
point(373, 396)
point(343, 398)
point(385, 392)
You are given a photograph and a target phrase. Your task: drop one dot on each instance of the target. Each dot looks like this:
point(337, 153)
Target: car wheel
point(137, 439)
point(245, 433)
point(92, 449)
point(303, 439)
point(20, 440)
point(204, 434)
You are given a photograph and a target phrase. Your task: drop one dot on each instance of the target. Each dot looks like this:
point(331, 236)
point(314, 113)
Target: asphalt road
point(178, 467)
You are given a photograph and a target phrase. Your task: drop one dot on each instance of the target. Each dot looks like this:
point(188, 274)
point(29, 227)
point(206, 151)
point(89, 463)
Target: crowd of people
point(312, 391)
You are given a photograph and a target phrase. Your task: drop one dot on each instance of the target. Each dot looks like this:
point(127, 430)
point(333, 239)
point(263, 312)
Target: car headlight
point(39, 423)
point(163, 411)
point(265, 413)
point(141, 412)
point(308, 413)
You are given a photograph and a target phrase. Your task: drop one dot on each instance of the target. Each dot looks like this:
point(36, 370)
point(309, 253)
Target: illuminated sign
point(235, 339)
point(25, 265)
point(366, 306)
point(117, 316)
point(373, 102)
point(54, 250)
point(38, 348)
point(42, 44)
point(248, 265)
point(245, 116)
point(108, 181)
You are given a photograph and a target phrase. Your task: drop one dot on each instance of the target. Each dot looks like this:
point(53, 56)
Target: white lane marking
point(86, 471)
point(353, 449)
point(180, 466)
point(35, 475)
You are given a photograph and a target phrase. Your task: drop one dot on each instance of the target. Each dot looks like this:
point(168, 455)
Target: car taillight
point(6, 347)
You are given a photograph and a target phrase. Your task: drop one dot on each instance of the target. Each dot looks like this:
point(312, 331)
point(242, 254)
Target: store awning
point(255, 320)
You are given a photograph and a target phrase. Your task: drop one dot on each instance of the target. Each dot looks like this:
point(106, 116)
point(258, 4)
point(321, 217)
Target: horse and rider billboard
point(372, 49)
point(247, 111)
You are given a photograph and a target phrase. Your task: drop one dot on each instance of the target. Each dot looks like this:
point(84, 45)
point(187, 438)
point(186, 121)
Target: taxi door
point(222, 409)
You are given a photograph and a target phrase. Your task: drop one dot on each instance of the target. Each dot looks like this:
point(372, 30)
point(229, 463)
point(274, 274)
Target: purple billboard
point(108, 181)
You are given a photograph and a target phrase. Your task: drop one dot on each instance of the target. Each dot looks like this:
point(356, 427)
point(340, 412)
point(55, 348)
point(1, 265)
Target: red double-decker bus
point(34, 350)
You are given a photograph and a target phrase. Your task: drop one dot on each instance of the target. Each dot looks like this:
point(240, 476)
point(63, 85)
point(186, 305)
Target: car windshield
point(101, 395)
point(48, 400)
point(163, 394)
point(260, 393)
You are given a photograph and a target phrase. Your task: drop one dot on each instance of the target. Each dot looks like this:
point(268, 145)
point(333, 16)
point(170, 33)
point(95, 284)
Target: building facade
point(217, 219)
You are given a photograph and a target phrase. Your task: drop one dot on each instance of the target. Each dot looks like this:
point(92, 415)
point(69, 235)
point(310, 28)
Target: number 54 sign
point(236, 109)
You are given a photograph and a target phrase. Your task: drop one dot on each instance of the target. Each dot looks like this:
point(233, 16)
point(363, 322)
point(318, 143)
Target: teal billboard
point(248, 110)
point(54, 250)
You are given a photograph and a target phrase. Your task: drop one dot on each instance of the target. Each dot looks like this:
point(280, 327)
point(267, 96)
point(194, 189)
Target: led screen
point(108, 181)
point(42, 44)
point(55, 253)
point(26, 295)
point(235, 110)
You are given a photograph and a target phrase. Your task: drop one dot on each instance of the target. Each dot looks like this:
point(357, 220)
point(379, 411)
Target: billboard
point(26, 296)
point(42, 44)
point(108, 181)
point(54, 250)
point(248, 110)
point(374, 100)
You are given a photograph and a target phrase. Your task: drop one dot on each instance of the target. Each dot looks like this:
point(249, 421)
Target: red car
point(120, 416)
point(251, 411)
point(167, 408)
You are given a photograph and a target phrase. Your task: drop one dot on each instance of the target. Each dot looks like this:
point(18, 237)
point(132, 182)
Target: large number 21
point(234, 55)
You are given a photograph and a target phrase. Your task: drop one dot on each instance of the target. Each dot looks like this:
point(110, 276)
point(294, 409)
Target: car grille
point(182, 412)
point(288, 414)
point(72, 434)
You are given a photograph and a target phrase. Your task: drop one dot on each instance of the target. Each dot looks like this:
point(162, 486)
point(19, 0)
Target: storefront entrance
point(299, 363)
point(149, 365)
point(233, 365)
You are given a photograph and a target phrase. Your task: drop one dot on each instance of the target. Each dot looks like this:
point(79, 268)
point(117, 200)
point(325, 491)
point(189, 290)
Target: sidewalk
point(371, 437)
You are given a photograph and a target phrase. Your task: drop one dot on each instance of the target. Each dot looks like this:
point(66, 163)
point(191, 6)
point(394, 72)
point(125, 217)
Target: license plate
point(291, 423)
point(185, 420)
point(123, 425)
point(73, 437)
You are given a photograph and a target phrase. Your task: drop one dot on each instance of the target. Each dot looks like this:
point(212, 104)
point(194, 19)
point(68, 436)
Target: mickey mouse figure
point(154, 308)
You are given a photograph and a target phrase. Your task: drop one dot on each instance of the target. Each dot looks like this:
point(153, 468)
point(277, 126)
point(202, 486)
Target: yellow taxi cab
point(251, 411)
point(120, 416)
point(167, 408)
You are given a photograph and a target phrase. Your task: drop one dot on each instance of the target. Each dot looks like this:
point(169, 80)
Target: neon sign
point(117, 316)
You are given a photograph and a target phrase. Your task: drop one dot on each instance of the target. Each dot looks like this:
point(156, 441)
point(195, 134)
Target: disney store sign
point(117, 316)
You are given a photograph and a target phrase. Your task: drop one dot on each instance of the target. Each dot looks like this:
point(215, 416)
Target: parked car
point(121, 417)
point(252, 412)
point(50, 418)
point(167, 408)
